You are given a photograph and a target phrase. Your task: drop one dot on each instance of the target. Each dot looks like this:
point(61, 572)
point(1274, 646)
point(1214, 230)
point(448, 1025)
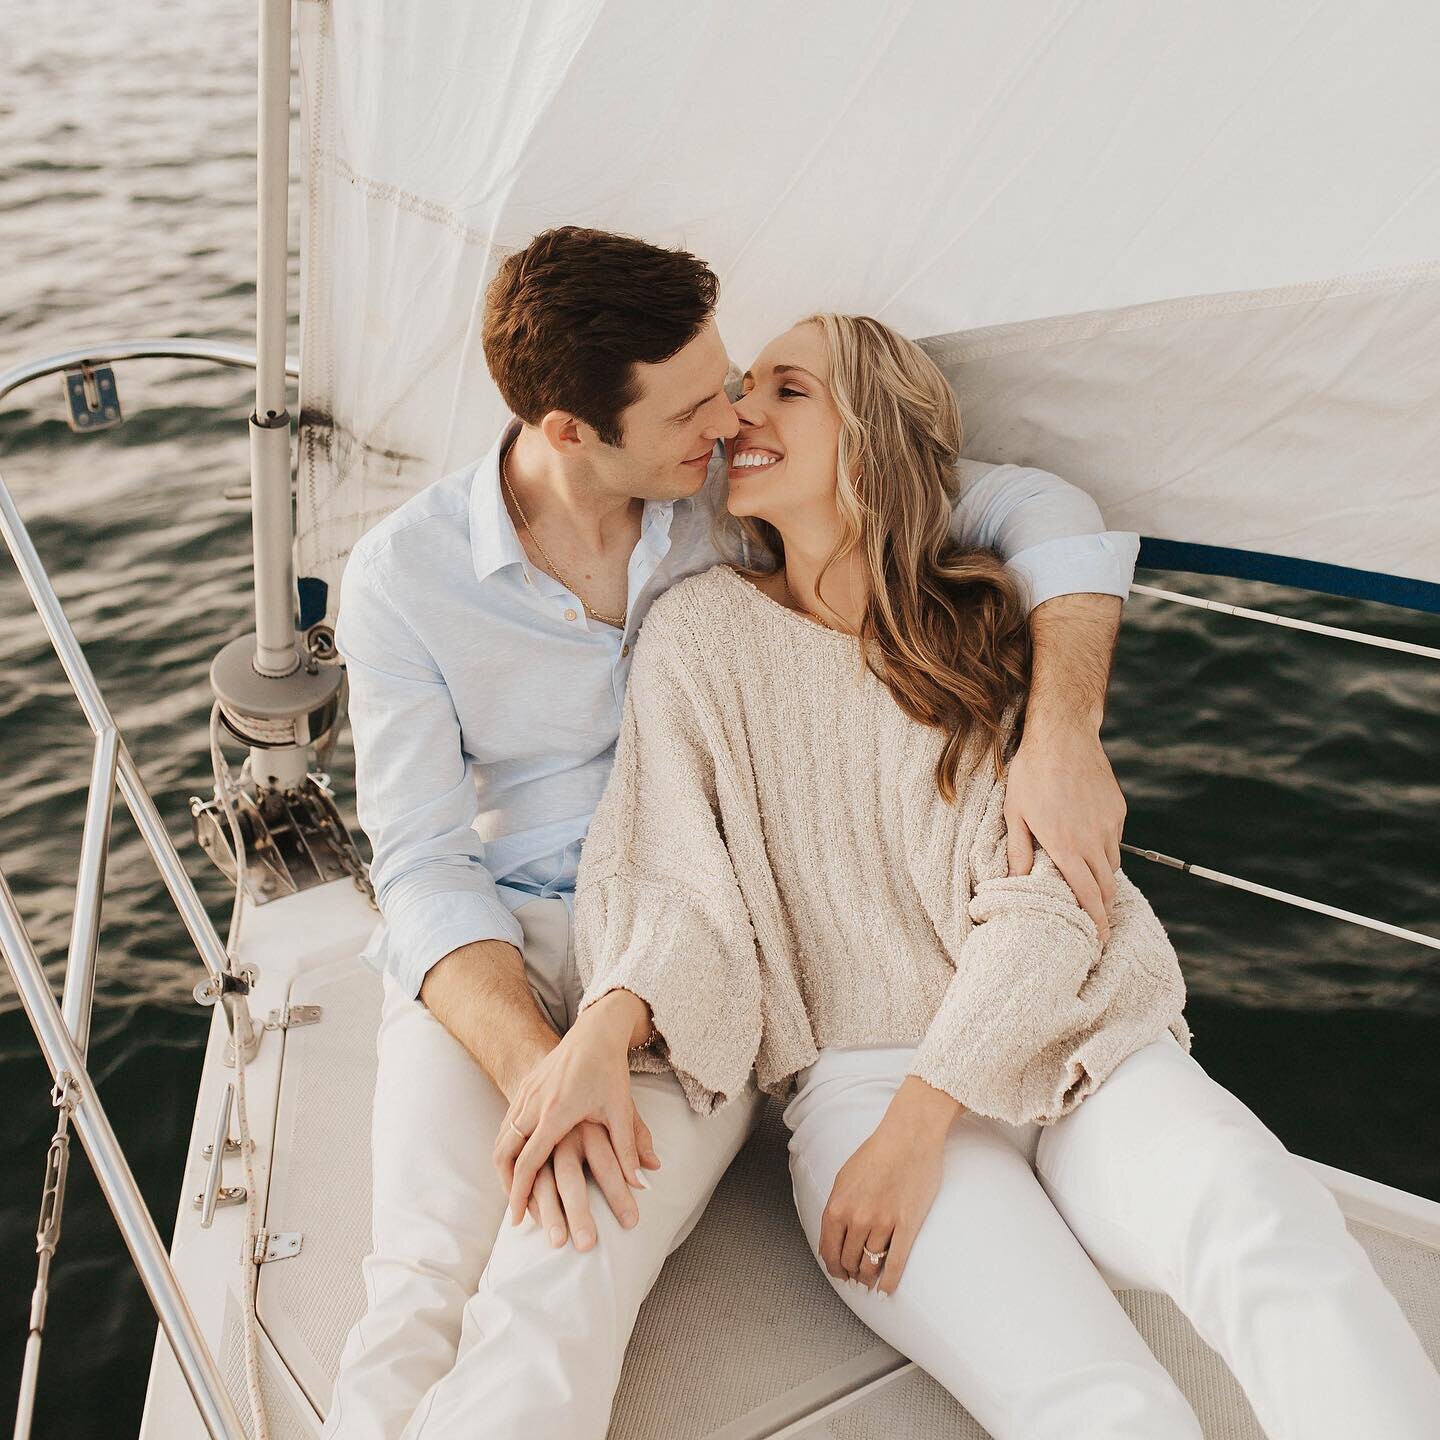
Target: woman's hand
point(575, 1105)
point(885, 1189)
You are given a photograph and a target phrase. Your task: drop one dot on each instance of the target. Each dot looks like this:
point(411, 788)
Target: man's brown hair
point(568, 317)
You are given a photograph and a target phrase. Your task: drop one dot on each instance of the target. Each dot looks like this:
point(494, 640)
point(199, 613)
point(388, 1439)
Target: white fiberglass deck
point(742, 1337)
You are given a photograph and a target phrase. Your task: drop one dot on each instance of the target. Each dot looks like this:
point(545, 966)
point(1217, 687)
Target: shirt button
point(624, 651)
point(528, 580)
point(570, 615)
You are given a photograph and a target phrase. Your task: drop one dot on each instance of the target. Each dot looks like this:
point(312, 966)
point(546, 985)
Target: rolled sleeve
point(414, 788)
point(1050, 532)
point(1102, 564)
point(423, 927)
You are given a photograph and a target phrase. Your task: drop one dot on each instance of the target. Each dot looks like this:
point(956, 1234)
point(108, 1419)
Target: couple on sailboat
point(850, 839)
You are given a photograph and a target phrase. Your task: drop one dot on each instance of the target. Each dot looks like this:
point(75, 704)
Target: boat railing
point(1202, 872)
point(63, 1030)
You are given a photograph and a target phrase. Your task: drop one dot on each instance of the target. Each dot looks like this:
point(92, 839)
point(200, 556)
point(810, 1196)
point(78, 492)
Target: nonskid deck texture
point(742, 1336)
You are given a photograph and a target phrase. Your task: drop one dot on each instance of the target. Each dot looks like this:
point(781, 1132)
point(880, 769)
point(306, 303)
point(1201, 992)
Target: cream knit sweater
point(773, 869)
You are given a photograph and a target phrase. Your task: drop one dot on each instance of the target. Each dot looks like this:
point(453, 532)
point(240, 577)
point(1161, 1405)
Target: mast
point(276, 699)
point(275, 653)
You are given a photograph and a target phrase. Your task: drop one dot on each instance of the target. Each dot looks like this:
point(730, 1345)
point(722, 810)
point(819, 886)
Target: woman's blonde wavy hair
point(947, 626)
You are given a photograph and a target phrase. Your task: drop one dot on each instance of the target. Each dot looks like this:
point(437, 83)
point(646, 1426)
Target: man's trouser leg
point(544, 1336)
point(439, 1206)
point(436, 1205)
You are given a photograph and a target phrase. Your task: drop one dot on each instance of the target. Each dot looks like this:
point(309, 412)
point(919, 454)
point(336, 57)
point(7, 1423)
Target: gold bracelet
point(649, 1037)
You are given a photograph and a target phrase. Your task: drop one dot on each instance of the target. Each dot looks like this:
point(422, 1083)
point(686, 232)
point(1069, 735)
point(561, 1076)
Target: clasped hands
point(575, 1108)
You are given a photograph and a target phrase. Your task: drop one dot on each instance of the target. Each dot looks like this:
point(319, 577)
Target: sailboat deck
point(741, 1337)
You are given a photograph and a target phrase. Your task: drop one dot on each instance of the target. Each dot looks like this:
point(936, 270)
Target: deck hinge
point(293, 1016)
point(282, 1245)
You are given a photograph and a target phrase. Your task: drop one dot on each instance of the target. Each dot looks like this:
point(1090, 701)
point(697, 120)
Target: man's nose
point(747, 411)
point(726, 424)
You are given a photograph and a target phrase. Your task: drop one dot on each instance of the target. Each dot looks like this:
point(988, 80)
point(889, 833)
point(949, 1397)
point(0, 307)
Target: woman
point(799, 867)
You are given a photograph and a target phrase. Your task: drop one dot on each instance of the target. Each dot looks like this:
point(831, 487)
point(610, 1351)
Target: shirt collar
point(493, 541)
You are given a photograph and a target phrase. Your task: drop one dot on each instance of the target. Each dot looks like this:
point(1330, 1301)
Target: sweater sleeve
point(658, 909)
point(1037, 1013)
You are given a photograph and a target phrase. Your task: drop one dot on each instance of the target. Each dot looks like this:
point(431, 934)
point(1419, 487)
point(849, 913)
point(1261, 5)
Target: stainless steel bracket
point(225, 1195)
point(292, 1017)
point(282, 1245)
point(92, 400)
point(65, 1093)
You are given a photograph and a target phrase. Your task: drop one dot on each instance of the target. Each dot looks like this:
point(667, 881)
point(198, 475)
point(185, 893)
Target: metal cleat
point(225, 1195)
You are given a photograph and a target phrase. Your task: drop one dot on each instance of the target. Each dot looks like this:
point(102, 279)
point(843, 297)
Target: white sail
point(1187, 257)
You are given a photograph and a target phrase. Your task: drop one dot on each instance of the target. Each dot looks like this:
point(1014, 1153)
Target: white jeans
point(474, 1328)
point(1161, 1180)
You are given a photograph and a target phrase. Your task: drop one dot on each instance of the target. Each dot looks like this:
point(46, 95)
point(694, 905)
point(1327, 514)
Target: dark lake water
point(127, 209)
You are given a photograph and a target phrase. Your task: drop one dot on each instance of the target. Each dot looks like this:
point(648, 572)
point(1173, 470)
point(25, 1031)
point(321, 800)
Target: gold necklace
point(617, 620)
point(796, 605)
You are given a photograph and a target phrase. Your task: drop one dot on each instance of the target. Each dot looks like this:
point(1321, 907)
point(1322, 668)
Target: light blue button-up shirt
point(485, 704)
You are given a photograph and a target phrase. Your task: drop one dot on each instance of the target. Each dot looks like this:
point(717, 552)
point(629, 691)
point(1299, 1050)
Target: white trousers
point(474, 1328)
point(1160, 1180)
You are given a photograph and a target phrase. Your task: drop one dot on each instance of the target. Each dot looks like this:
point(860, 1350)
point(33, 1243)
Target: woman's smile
point(753, 457)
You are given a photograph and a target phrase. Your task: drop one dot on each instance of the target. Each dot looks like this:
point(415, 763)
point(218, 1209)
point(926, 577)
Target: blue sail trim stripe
point(1285, 570)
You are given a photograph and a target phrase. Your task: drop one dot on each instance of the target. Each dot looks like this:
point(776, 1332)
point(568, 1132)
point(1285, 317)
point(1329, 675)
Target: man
point(487, 625)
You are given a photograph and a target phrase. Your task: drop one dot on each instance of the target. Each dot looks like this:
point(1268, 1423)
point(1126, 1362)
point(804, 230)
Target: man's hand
point(560, 1200)
point(1061, 792)
point(577, 1105)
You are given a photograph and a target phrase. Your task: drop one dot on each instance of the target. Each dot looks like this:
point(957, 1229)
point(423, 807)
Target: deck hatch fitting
point(92, 401)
